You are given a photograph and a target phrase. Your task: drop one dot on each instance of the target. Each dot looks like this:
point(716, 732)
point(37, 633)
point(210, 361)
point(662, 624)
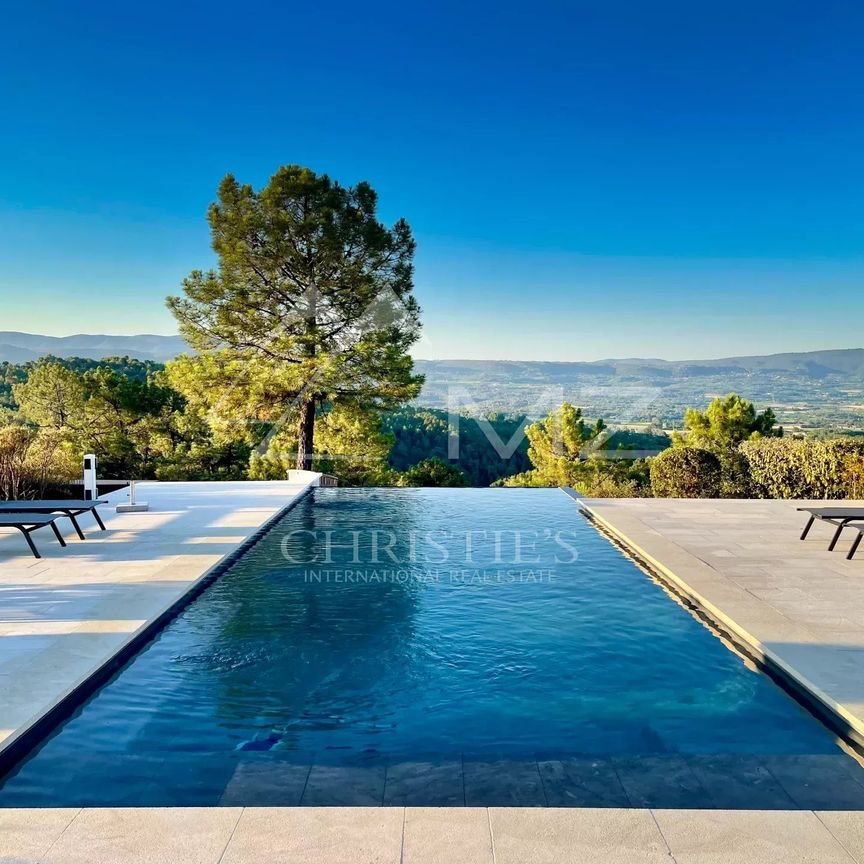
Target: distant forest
point(419, 434)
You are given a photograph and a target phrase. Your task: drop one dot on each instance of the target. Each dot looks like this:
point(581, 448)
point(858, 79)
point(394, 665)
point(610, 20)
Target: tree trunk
point(306, 435)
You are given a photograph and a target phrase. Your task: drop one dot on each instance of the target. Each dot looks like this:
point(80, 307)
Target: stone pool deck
point(798, 604)
point(406, 835)
point(789, 600)
point(64, 615)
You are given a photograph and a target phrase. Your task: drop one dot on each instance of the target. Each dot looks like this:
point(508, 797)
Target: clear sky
point(585, 179)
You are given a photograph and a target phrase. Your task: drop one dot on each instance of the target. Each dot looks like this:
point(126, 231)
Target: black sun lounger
point(28, 524)
point(71, 509)
point(839, 516)
point(859, 527)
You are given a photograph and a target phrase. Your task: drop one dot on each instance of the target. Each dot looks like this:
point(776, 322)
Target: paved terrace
point(799, 604)
point(398, 835)
point(64, 615)
point(796, 603)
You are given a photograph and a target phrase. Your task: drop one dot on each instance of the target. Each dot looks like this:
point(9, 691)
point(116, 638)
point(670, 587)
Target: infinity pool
point(376, 629)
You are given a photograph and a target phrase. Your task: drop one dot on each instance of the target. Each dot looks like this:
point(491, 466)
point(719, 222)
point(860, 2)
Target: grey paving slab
point(734, 782)
point(660, 781)
point(503, 784)
point(338, 786)
point(435, 835)
point(145, 836)
point(65, 615)
point(425, 784)
point(819, 782)
point(577, 836)
point(328, 835)
point(266, 782)
point(749, 837)
point(582, 782)
point(791, 600)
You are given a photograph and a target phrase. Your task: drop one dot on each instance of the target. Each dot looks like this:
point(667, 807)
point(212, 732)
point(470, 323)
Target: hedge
point(793, 468)
point(686, 472)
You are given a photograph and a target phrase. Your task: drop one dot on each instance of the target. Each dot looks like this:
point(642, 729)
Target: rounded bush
point(686, 472)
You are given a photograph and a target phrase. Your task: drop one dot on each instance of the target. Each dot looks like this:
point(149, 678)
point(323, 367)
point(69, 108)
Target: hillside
point(812, 389)
point(20, 347)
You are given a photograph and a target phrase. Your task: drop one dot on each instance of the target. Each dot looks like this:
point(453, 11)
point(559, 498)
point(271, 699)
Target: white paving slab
point(64, 615)
point(792, 600)
point(397, 835)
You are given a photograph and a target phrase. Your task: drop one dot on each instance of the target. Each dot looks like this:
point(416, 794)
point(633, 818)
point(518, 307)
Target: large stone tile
point(317, 835)
point(503, 784)
point(582, 783)
point(266, 783)
point(847, 827)
point(819, 782)
point(337, 786)
point(660, 781)
point(435, 835)
point(26, 835)
point(749, 837)
point(425, 784)
point(145, 836)
point(576, 836)
point(739, 782)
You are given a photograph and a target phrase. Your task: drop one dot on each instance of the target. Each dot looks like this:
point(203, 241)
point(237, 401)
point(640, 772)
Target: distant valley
point(823, 389)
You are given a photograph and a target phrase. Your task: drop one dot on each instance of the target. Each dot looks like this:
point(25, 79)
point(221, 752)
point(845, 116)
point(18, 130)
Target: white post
point(91, 493)
point(134, 506)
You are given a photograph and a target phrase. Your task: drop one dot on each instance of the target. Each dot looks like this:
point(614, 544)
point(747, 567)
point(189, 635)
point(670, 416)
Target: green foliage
point(688, 472)
point(565, 450)
point(12, 374)
point(128, 421)
point(735, 480)
point(805, 468)
point(432, 472)
point(350, 444)
point(31, 459)
point(725, 424)
point(135, 422)
point(424, 433)
point(312, 304)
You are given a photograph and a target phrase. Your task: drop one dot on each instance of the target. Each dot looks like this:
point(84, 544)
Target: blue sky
point(585, 180)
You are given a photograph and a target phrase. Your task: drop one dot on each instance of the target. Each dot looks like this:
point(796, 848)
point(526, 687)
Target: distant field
point(813, 398)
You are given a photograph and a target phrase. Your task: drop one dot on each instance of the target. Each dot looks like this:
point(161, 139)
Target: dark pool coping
point(25, 739)
point(740, 640)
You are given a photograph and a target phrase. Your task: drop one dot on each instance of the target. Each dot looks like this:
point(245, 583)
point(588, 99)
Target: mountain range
point(18, 347)
point(813, 388)
point(22, 347)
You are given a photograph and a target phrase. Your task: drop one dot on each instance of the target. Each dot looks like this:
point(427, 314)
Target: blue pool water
point(532, 638)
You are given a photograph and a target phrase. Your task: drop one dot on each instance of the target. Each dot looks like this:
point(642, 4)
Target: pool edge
point(827, 709)
point(23, 740)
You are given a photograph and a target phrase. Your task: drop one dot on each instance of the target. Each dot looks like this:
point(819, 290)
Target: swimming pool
point(449, 640)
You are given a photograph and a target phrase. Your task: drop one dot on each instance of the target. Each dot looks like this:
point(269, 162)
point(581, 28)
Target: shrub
point(432, 472)
point(796, 468)
point(735, 480)
point(686, 472)
point(30, 461)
